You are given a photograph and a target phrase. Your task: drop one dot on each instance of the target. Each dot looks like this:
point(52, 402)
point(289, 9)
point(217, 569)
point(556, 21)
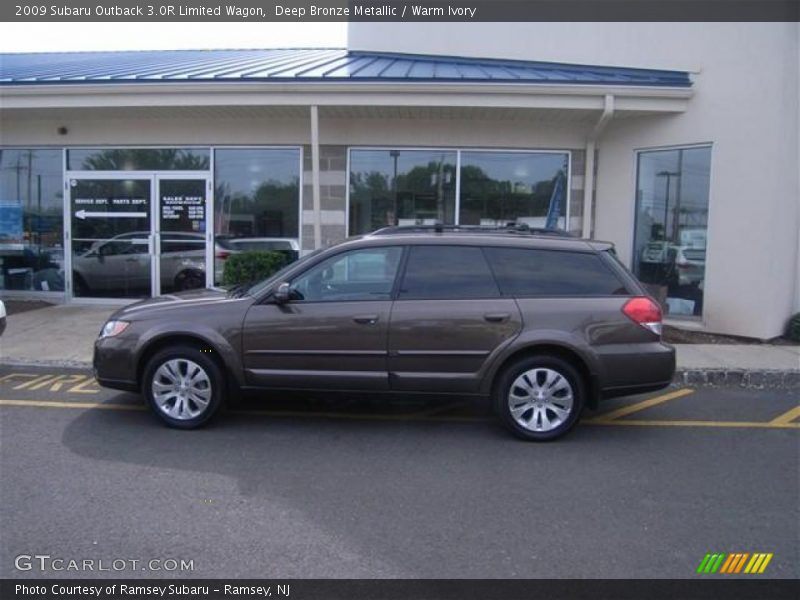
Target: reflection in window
point(138, 159)
point(401, 187)
point(498, 188)
point(360, 275)
point(257, 200)
point(31, 220)
point(671, 223)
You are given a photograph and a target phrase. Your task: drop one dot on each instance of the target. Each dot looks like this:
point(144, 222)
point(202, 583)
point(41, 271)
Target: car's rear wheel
point(183, 386)
point(539, 398)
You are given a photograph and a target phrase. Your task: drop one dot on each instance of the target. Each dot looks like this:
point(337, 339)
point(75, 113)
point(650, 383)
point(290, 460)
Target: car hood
point(194, 299)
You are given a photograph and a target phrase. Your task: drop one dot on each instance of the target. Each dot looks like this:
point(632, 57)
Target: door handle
point(497, 317)
point(366, 319)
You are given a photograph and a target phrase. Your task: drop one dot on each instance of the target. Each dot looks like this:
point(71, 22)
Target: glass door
point(111, 243)
point(184, 244)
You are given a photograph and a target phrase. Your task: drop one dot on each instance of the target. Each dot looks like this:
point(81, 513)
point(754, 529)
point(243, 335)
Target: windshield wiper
point(238, 290)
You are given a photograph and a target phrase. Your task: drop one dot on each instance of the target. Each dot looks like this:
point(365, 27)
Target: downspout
point(315, 194)
point(588, 175)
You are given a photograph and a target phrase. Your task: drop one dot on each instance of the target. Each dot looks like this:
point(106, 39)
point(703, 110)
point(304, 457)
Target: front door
point(182, 235)
point(111, 237)
point(332, 334)
point(138, 234)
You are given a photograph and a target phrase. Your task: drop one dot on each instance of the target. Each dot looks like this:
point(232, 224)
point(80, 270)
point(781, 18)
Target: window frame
point(404, 264)
point(401, 263)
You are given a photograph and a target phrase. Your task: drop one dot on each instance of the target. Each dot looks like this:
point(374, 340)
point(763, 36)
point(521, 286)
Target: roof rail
point(510, 228)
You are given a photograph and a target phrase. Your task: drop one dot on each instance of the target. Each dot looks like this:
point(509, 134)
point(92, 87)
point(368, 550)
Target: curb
point(743, 378)
point(31, 362)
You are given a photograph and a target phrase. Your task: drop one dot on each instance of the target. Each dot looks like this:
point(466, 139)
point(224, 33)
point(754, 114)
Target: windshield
point(264, 284)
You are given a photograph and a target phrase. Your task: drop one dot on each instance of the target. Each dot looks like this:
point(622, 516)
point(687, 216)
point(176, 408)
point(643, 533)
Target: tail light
point(645, 312)
point(223, 254)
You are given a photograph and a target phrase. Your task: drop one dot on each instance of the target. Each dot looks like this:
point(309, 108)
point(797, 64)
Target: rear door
point(448, 320)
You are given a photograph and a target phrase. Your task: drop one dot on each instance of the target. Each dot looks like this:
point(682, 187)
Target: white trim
point(300, 185)
point(318, 88)
point(66, 225)
point(211, 218)
point(262, 94)
point(347, 193)
point(457, 217)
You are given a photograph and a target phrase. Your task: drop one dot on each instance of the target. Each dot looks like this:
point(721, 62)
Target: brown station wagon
point(541, 323)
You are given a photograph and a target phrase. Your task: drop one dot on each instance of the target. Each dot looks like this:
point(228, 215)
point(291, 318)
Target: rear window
point(533, 272)
point(447, 272)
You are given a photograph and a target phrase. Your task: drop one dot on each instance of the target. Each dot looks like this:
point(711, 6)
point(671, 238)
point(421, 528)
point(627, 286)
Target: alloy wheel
point(181, 389)
point(540, 399)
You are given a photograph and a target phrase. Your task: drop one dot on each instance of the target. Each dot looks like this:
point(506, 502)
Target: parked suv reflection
point(121, 266)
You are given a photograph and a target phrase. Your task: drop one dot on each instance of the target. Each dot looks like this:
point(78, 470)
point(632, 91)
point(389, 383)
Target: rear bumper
point(635, 368)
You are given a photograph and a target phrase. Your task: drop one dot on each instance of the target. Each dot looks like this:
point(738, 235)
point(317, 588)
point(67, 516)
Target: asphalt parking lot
point(362, 487)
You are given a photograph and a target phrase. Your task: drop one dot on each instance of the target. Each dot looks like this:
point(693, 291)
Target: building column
point(315, 192)
point(588, 177)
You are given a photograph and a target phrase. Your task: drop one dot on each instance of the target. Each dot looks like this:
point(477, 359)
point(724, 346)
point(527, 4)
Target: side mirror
point(281, 293)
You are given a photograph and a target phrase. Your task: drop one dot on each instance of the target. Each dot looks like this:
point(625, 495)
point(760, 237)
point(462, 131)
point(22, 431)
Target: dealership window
point(401, 187)
point(671, 222)
point(420, 187)
point(31, 220)
point(256, 201)
point(514, 187)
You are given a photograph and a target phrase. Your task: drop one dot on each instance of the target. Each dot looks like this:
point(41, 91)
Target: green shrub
point(793, 328)
point(252, 266)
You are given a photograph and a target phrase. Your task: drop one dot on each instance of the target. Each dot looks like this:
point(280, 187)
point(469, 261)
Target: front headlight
point(112, 328)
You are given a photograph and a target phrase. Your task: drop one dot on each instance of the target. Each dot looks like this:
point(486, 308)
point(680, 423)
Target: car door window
point(523, 272)
point(366, 274)
point(440, 272)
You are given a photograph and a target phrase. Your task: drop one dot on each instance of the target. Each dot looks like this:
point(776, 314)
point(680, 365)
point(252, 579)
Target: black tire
point(214, 376)
point(79, 287)
point(190, 280)
point(509, 376)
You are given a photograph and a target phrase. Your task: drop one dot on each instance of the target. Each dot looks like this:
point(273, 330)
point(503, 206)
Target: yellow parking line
point(787, 417)
point(633, 408)
point(724, 424)
point(414, 416)
point(47, 404)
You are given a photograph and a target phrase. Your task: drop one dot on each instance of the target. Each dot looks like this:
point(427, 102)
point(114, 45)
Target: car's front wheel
point(539, 398)
point(183, 386)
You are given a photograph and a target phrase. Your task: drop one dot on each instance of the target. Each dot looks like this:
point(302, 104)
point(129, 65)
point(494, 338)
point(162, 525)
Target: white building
point(679, 143)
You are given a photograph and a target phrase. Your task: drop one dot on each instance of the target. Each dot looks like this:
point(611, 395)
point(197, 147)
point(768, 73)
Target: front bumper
point(113, 364)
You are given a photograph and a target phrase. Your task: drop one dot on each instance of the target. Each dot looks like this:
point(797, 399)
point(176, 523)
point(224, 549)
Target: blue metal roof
point(309, 65)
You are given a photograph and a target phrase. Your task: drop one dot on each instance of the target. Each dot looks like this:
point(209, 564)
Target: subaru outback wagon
point(541, 324)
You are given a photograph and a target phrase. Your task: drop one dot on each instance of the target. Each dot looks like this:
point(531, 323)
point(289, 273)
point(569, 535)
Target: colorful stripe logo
point(736, 562)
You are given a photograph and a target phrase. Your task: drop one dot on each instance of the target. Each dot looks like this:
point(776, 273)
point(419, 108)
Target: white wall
point(747, 91)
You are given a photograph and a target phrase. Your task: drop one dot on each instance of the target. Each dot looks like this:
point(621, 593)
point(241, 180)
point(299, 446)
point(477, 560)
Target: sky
point(66, 37)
